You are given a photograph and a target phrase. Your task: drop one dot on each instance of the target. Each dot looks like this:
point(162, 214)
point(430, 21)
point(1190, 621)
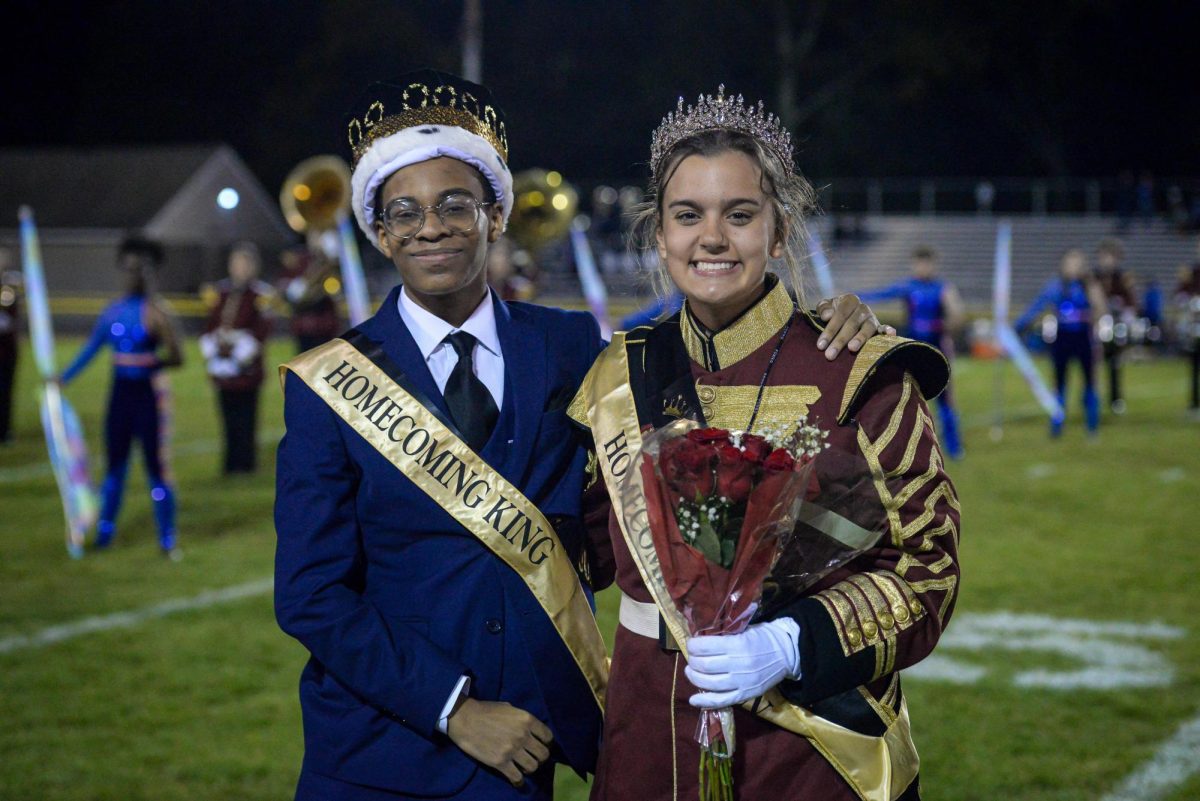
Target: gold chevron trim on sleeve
point(868, 610)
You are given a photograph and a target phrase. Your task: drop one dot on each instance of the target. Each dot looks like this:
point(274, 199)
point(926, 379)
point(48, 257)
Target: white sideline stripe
point(135, 617)
point(1173, 763)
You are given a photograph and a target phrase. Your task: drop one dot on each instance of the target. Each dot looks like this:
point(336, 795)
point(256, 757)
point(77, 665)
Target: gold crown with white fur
point(719, 113)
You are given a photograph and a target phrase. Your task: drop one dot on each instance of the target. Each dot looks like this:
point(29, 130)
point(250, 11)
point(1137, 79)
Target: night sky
point(922, 88)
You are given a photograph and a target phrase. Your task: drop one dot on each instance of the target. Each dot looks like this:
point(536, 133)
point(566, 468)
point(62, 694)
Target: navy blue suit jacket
point(395, 600)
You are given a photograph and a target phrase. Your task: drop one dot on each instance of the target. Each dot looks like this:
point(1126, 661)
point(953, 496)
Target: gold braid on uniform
point(871, 609)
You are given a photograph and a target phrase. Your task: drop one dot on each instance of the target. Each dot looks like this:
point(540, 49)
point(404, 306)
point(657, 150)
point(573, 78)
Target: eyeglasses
point(404, 219)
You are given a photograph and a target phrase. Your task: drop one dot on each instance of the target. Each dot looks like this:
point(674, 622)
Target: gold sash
point(456, 479)
point(876, 768)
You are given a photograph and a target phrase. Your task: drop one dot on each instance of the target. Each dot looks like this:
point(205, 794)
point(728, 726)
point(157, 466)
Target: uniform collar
point(429, 330)
point(743, 336)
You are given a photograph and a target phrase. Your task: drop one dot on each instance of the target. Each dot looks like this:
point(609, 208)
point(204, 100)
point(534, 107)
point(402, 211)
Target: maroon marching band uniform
point(243, 312)
point(861, 624)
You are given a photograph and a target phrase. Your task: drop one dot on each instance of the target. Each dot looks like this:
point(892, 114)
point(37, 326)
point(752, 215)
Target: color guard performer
point(1076, 300)
point(141, 332)
point(819, 709)
point(935, 313)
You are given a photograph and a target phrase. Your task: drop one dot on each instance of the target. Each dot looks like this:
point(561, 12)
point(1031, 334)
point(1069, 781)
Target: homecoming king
point(430, 552)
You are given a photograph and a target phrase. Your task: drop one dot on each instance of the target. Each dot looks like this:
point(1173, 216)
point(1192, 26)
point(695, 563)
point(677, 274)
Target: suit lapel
point(387, 328)
point(526, 384)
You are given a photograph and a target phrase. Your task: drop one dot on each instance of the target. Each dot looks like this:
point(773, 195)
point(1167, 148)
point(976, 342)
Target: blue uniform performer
point(136, 327)
point(933, 309)
point(1074, 299)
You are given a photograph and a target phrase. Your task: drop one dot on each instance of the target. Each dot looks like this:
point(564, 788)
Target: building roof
point(168, 191)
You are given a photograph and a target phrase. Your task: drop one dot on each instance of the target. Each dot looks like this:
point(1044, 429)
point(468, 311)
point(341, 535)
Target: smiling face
point(718, 231)
point(438, 266)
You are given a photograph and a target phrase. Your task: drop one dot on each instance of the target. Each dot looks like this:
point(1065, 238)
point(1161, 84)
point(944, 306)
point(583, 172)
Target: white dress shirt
point(430, 332)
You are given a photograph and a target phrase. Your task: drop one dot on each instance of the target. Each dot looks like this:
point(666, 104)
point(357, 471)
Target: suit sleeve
point(888, 610)
point(320, 570)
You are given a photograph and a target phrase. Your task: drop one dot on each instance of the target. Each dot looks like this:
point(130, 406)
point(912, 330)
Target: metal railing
point(1033, 196)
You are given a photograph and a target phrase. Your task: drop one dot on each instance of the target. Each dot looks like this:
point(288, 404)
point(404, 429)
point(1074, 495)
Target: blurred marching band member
point(727, 205)
point(140, 330)
point(503, 274)
point(10, 297)
point(1120, 313)
point(1077, 301)
point(1187, 300)
point(314, 315)
point(232, 343)
point(414, 446)
point(935, 314)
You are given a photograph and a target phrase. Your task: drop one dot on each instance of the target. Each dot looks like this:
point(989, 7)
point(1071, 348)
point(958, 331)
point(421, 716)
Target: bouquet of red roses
point(721, 505)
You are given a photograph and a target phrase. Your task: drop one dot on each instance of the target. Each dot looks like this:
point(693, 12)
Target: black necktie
point(471, 405)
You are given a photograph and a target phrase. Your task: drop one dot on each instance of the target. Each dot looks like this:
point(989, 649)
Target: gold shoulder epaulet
point(925, 362)
point(578, 407)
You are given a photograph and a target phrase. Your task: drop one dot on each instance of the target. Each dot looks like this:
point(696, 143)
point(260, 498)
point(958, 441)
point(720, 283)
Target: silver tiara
point(719, 113)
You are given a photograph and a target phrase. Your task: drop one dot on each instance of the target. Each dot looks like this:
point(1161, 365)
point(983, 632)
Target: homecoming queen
point(815, 681)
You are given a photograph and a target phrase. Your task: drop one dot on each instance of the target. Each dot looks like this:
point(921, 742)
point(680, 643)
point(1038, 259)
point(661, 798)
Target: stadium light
point(228, 198)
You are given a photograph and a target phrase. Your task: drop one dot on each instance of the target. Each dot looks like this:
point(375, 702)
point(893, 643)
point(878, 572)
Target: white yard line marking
point(135, 617)
point(1107, 656)
point(1173, 763)
point(1172, 474)
point(1040, 470)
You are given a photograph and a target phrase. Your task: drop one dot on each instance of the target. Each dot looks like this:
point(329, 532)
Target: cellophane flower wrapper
point(720, 513)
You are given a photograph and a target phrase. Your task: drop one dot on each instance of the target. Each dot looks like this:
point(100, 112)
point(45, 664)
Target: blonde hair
point(790, 196)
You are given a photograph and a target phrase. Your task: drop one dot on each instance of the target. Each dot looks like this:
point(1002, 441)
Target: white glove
point(737, 667)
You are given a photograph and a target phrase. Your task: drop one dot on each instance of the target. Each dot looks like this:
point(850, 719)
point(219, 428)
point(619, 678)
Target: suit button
point(493, 626)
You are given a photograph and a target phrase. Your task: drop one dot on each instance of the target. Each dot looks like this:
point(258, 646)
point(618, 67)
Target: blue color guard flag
point(820, 263)
point(590, 281)
point(354, 283)
point(1006, 337)
point(64, 434)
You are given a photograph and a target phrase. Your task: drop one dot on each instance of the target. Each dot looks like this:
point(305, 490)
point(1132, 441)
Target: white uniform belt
point(638, 617)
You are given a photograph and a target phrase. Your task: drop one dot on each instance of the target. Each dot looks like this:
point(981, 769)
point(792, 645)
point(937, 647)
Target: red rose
point(779, 459)
point(714, 436)
point(688, 467)
point(755, 448)
point(735, 475)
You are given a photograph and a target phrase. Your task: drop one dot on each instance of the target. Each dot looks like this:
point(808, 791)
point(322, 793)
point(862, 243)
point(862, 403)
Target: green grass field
point(202, 704)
